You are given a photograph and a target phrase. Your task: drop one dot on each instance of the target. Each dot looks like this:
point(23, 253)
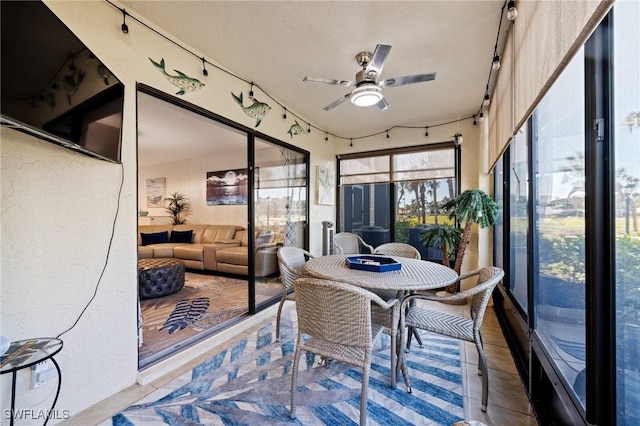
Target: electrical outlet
point(38, 374)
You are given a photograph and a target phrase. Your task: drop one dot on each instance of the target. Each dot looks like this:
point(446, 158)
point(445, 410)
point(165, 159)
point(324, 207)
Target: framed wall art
point(156, 188)
point(326, 185)
point(227, 187)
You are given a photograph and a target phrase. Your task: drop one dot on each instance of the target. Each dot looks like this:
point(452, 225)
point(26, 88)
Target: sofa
point(200, 246)
point(234, 259)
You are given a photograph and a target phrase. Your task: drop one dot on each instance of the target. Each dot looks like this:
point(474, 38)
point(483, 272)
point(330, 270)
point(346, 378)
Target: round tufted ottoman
point(159, 277)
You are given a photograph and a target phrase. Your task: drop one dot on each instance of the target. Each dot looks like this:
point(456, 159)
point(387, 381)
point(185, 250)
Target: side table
point(25, 353)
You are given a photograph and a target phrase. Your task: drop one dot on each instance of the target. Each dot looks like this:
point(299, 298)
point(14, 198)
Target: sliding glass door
point(280, 211)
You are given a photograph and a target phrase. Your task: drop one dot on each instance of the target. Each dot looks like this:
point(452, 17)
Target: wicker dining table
point(414, 274)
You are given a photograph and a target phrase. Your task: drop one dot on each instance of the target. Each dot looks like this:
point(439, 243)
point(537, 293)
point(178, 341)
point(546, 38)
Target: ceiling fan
point(368, 89)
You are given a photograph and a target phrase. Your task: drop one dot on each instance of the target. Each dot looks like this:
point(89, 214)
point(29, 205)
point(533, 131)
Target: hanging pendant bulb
point(387, 134)
point(512, 12)
point(204, 68)
point(308, 128)
point(251, 90)
point(284, 114)
point(481, 117)
point(486, 100)
point(326, 137)
point(495, 65)
point(124, 27)
point(475, 123)
point(426, 131)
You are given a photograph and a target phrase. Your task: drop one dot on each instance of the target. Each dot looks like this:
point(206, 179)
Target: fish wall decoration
point(71, 83)
point(258, 110)
point(182, 81)
point(295, 129)
point(104, 74)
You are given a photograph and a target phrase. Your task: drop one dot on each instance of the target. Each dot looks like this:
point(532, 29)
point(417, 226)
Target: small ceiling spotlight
point(426, 131)
point(204, 68)
point(284, 114)
point(512, 12)
point(486, 101)
point(495, 65)
point(124, 27)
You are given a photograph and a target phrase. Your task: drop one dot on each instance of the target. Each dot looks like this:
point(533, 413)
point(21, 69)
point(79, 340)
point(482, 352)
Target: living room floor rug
point(205, 302)
point(249, 384)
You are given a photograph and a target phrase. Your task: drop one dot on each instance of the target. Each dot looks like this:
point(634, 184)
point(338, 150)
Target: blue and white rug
point(249, 384)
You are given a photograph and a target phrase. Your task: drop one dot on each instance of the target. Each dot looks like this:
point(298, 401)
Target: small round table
point(25, 353)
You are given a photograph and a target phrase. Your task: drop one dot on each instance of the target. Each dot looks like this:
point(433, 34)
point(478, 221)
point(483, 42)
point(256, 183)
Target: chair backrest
point(291, 261)
point(334, 311)
point(488, 278)
point(350, 243)
point(398, 249)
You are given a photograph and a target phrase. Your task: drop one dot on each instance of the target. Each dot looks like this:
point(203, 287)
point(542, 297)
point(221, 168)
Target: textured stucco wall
point(58, 208)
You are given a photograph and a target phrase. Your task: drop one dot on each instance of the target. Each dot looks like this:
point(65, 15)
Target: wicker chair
point(349, 243)
point(459, 327)
point(291, 261)
point(387, 318)
point(337, 319)
point(398, 249)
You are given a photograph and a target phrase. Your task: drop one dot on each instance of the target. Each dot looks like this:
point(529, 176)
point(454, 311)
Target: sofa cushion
point(184, 237)
point(154, 238)
point(232, 255)
point(189, 252)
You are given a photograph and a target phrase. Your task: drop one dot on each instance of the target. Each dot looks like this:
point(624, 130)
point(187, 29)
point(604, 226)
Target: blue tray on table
point(373, 263)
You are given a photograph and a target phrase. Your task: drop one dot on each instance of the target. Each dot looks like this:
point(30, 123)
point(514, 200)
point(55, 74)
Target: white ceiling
point(277, 44)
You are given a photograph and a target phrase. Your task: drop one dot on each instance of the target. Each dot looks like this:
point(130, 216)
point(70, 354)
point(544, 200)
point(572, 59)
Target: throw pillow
point(154, 238)
point(181, 236)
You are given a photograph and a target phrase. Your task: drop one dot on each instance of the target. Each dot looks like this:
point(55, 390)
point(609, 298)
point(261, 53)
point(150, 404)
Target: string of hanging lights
point(511, 14)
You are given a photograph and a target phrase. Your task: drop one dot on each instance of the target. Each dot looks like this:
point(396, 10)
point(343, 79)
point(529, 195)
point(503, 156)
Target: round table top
point(413, 275)
point(25, 353)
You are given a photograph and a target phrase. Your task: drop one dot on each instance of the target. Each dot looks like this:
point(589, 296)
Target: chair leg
point(278, 317)
point(418, 338)
point(393, 344)
point(482, 366)
point(294, 379)
point(364, 395)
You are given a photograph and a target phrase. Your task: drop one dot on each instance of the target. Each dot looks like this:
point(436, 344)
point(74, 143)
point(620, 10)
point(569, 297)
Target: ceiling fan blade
point(407, 79)
point(337, 102)
point(377, 60)
point(383, 104)
point(328, 81)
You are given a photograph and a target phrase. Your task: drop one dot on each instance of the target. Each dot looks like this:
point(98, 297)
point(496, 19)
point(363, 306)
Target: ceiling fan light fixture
point(365, 96)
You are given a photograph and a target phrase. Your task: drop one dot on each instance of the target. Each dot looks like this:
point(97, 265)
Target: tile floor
point(508, 402)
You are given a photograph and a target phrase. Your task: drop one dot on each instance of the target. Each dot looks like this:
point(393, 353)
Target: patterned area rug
point(249, 384)
point(204, 302)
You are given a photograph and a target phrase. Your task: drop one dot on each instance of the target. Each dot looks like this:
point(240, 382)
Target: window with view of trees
point(394, 196)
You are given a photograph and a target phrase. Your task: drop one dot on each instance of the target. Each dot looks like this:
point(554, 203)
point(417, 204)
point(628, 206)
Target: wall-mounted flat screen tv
point(53, 86)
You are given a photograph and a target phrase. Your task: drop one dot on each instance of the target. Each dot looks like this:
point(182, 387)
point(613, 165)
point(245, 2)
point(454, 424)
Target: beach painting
point(156, 192)
point(227, 187)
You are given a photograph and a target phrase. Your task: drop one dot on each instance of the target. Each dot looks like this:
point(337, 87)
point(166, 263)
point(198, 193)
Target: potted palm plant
point(178, 208)
point(472, 206)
